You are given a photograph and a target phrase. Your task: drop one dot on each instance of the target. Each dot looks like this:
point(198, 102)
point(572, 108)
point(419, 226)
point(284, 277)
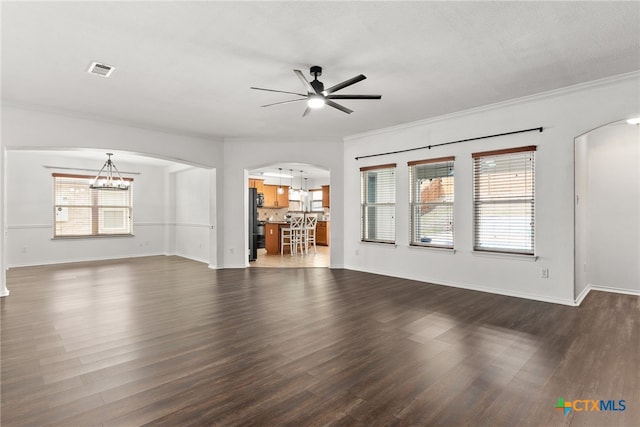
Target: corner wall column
point(3, 207)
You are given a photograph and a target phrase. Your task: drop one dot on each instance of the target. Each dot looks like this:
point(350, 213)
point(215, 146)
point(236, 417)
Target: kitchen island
point(273, 231)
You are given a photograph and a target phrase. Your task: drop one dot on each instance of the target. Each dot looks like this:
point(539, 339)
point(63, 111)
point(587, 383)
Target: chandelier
point(108, 182)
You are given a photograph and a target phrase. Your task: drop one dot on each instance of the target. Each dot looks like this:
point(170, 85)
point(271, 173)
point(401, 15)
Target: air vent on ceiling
point(99, 69)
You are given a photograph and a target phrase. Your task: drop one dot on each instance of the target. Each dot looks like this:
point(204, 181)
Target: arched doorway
point(286, 189)
point(607, 209)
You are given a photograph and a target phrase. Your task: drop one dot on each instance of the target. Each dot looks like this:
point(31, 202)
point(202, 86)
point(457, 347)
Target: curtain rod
point(539, 129)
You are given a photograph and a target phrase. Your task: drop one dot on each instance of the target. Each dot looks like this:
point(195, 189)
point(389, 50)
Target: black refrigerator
point(253, 224)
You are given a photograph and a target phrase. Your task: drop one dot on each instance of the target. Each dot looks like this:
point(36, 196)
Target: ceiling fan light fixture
point(315, 102)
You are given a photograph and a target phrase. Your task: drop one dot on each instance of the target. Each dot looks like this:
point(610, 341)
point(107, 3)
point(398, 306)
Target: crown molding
point(529, 98)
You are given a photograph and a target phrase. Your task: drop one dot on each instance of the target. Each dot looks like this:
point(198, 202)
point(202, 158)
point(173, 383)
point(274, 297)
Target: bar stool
point(293, 236)
point(310, 232)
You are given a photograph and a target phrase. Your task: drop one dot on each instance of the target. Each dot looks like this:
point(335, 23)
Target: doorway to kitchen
point(277, 194)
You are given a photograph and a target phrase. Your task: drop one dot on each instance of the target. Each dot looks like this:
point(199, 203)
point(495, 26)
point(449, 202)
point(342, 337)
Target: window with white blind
point(431, 202)
point(81, 211)
point(504, 200)
point(378, 203)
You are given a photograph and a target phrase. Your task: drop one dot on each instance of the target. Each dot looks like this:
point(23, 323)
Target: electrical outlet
point(357, 252)
point(231, 250)
point(544, 273)
point(24, 250)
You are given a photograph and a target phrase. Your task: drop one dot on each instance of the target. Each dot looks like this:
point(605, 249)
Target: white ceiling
point(187, 66)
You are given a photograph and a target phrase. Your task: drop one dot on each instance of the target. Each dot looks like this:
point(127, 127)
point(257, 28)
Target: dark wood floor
point(167, 341)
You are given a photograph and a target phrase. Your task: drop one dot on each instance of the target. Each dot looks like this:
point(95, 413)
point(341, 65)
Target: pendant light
point(301, 189)
point(280, 189)
point(108, 183)
point(292, 190)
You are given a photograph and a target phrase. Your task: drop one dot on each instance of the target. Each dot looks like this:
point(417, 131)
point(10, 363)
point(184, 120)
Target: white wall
point(581, 219)
point(241, 156)
point(613, 224)
point(564, 115)
point(30, 216)
point(191, 218)
point(3, 262)
point(24, 128)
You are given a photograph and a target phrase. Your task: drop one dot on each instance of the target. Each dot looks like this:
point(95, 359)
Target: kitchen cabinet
point(326, 196)
point(283, 199)
point(258, 184)
point(272, 241)
point(274, 200)
point(322, 233)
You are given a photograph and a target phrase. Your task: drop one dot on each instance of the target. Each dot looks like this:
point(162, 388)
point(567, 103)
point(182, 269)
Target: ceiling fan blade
point(304, 81)
point(353, 97)
point(279, 91)
point(344, 84)
point(338, 106)
point(283, 102)
point(306, 111)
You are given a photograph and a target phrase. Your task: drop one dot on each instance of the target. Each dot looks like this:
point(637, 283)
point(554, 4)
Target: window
point(504, 185)
point(316, 200)
point(431, 202)
point(378, 203)
point(82, 211)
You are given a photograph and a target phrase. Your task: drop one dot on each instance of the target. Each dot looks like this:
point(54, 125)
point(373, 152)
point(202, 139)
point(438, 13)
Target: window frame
point(97, 209)
point(528, 198)
point(413, 204)
point(365, 204)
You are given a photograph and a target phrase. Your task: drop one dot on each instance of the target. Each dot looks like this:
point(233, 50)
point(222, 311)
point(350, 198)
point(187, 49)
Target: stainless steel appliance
point(260, 233)
point(253, 224)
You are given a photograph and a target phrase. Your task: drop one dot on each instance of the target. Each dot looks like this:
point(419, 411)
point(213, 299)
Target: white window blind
point(431, 202)
point(81, 211)
point(378, 203)
point(504, 200)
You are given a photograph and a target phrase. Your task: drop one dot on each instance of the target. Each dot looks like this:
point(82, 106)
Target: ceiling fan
point(317, 96)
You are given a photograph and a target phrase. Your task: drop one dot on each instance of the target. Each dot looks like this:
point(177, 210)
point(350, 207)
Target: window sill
point(102, 236)
point(506, 255)
point(373, 242)
point(434, 248)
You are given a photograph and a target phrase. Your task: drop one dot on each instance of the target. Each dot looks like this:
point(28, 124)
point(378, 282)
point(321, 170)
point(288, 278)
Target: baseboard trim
point(68, 261)
point(469, 287)
point(614, 290)
point(205, 261)
point(582, 296)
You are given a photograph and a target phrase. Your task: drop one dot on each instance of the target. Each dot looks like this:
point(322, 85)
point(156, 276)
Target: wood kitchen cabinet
point(322, 233)
point(258, 184)
point(326, 196)
point(274, 200)
point(272, 241)
point(283, 199)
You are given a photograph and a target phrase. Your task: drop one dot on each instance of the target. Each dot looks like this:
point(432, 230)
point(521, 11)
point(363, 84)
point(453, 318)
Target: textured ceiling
point(187, 66)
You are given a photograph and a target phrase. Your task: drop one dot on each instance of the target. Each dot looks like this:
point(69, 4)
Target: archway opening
point(607, 208)
point(283, 191)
